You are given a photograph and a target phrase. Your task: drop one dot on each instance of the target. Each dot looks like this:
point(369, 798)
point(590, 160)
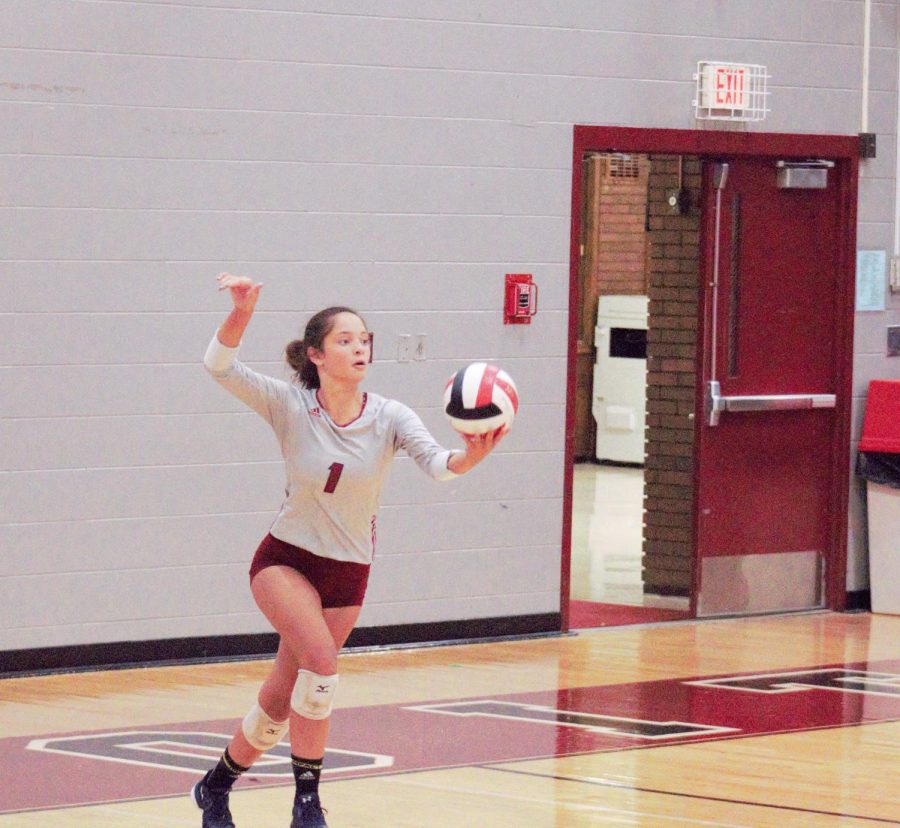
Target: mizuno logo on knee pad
point(261, 730)
point(313, 695)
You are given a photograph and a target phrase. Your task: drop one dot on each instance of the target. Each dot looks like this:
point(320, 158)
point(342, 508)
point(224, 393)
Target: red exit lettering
point(729, 87)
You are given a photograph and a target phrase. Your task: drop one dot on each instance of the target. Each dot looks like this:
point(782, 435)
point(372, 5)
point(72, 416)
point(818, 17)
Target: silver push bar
point(716, 403)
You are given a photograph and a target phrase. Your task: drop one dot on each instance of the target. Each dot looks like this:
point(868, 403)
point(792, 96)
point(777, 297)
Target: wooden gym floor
point(778, 721)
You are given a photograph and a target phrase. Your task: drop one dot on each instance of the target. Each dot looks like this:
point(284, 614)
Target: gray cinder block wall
point(399, 156)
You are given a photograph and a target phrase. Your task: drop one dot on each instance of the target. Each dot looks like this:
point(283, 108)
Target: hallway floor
point(607, 510)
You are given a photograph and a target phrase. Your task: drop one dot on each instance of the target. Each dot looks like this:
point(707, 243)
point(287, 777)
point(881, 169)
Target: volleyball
point(480, 398)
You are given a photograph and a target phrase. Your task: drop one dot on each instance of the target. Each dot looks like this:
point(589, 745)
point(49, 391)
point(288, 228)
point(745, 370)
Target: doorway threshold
point(592, 614)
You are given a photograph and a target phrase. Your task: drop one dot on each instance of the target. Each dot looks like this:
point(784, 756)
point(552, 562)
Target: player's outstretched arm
point(244, 293)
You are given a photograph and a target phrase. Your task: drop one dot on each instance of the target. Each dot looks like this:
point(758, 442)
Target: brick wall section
point(615, 232)
point(614, 261)
point(673, 268)
point(620, 266)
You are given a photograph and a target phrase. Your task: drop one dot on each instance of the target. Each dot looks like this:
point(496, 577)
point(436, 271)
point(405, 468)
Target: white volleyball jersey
point(334, 473)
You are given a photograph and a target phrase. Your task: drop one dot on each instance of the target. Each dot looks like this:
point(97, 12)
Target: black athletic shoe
point(308, 813)
point(214, 805)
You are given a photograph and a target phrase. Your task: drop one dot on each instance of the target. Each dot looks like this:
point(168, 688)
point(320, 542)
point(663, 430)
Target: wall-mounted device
point(675, 202)
point(520, 299)
point(811, 174)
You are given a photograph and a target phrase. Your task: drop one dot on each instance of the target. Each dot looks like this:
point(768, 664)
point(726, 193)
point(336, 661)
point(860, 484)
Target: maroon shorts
point(339, 583)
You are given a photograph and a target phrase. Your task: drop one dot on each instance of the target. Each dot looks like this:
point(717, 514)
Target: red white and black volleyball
point(480, 398)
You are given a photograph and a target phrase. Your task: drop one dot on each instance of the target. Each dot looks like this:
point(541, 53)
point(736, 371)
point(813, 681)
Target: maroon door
point(774, 304)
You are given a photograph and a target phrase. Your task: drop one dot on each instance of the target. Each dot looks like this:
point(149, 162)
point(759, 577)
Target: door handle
point(720, 179)
point(716, 403)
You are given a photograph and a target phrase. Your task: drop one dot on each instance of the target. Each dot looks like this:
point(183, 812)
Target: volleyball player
point(309, 574)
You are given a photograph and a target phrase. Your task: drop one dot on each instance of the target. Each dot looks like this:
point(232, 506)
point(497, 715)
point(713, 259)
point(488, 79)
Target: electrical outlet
point(404, 348)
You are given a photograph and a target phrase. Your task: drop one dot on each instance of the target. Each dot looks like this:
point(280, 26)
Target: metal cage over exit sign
point(731, 91)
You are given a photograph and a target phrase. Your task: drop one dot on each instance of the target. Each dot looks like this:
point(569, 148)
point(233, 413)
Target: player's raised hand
point(244, 291)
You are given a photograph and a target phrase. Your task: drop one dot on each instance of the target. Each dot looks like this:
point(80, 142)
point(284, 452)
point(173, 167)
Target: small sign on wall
point(731, 91)
point(870, 275)
point(725, 86)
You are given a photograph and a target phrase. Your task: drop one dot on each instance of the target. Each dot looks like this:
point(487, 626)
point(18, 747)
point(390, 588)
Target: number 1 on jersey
point(331, 483)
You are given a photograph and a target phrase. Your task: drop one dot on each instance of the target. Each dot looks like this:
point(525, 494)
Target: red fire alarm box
point(520, 301)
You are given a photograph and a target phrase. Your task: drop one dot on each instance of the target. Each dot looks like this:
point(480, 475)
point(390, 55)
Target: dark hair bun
point(295, 354)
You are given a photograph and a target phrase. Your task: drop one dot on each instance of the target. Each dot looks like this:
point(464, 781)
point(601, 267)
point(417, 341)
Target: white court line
point(147, 820)
point(557, 803)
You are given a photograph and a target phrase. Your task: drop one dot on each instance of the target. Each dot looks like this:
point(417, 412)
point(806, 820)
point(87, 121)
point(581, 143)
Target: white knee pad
point(313, 695)
point(262, 731)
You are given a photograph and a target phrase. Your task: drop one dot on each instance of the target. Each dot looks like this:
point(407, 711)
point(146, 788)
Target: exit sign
point(731, 91)
point(726, 86)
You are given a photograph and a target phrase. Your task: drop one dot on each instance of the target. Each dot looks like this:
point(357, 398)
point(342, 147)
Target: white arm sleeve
point(417, 442)
point(219, 358)
point(268, 397)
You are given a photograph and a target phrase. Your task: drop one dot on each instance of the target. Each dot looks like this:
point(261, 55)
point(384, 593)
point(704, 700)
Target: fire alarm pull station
point(520, 300)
